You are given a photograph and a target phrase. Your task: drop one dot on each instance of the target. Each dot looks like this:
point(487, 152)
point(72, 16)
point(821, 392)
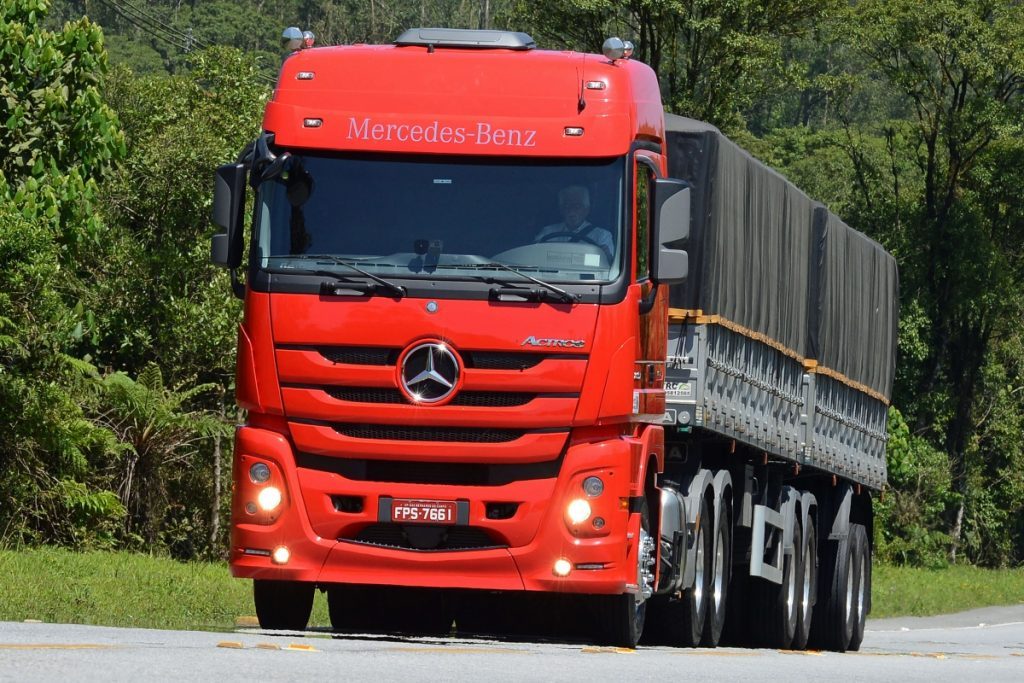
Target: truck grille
point(425, 538)
point(381, 355)
point(407, 433)
point(419, 472)
point(488, 399)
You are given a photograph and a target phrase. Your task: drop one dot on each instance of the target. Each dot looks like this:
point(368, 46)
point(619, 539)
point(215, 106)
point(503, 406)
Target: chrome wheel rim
point(719, 576)
point(805, 597)
point(698, 577)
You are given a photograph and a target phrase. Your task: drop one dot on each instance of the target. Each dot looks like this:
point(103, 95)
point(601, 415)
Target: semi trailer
point(511, 330)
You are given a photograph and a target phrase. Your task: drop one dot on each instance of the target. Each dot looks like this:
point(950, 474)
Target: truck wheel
point(861, 552)
point(780, 602)
point(718, 581)
point(680, 621)
point(832, 627)
point(283, 605)
point(808, 586)
point(621, 617)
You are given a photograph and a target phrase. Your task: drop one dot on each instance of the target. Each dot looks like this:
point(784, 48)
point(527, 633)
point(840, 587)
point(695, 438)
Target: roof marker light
point(573, 131)
point(596, 85)
point(304, 76)
point(312, 123)
point(291, 39)
point(308, 39)
point(627, 49)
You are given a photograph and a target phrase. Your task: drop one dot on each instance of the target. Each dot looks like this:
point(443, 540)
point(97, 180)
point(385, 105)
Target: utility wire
point(161, 31)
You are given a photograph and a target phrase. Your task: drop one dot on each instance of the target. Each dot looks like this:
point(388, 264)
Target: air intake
point(466, 38)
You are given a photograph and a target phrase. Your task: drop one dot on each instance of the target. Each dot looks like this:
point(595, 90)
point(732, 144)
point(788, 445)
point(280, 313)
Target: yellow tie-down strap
point(697, 317)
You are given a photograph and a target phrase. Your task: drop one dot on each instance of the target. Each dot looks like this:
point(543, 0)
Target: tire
point(621, 617)
point(832, 627)
point(861, 555)
point(283, 605)
point(718, 582)
point(808, 584)
point(779, 604)
point(680, 621)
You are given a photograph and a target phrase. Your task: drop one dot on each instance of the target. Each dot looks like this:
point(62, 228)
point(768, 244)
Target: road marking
point(590, 650)
point(301, 648)
point(54, 646)
point(230, 644)
point(267, 646)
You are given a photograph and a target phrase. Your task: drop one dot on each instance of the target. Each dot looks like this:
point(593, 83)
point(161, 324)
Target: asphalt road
point(980, 645)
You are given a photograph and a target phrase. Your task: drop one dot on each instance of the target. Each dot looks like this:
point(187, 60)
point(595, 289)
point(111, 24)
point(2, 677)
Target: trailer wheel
point(718, 581)
point(861, 560)
point(808, 586)
point(832, 627)
point(780, 603)
point(621, 617)
point(283, 605)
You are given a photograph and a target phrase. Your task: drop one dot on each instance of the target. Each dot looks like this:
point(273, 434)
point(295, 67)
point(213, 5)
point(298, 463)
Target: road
point(986, 644)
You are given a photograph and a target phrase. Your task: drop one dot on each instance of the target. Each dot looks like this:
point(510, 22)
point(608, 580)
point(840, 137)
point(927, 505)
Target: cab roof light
point(465, 38)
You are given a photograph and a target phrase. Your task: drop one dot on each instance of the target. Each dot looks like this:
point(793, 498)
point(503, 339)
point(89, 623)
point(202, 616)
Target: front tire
point(283, 605)
point(622, 617)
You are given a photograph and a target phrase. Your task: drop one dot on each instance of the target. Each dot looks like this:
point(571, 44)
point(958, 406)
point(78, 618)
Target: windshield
point(404, 216)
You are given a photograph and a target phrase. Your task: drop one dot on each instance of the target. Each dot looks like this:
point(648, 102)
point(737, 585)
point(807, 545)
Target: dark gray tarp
point(765, 256)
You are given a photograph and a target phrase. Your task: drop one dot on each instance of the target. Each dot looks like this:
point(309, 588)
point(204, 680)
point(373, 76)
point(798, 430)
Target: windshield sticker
point(434, 133)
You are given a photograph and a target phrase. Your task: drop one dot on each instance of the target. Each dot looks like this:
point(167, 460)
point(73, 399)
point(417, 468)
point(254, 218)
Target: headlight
point(269, 498)
point(259, 473)
point(593, 486)
point(578, 511)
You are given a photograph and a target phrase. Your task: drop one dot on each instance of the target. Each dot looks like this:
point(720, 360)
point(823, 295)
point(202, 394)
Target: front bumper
point(319, 537)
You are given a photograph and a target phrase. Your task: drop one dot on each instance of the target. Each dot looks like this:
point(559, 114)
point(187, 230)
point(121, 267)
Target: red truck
point(512, 330)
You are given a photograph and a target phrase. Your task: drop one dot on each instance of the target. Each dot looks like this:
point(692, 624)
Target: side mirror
point(669, 264)
point(228, 207)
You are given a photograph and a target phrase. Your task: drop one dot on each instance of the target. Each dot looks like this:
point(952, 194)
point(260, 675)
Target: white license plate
point(423, 511)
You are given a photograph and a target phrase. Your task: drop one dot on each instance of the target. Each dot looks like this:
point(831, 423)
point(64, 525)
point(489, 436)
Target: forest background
point(117, 335)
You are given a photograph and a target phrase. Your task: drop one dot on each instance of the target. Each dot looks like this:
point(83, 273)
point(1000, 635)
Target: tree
point(715, 59)
point(58, 138)
point(961, 66)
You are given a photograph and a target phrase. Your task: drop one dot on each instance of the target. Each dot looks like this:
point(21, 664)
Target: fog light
point(562, 567)
point(250, 507)
point(269, 498)
point(281, 555)
point(598, 522)
point(593, 486)
point(259, 473)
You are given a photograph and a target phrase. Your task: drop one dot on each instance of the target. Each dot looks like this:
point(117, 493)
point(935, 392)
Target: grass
point(124, 589)
point(909, 591)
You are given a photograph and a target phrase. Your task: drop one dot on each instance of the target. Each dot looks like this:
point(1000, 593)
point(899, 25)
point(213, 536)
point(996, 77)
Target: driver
point(574, 205)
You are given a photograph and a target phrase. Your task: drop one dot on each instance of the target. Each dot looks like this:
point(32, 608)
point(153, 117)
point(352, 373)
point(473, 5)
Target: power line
point(161, 31)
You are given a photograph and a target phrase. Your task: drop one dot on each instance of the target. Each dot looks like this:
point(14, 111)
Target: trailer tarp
point(766, 257)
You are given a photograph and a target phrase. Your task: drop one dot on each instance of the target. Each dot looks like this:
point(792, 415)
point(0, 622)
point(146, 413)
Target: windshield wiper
point(397, 290)
point(560, 293)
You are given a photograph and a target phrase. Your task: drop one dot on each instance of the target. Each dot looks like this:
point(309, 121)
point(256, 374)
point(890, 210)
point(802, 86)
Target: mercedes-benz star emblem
point(430, 372)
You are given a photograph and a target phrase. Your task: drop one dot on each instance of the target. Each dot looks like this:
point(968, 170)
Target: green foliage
point(715, 59)
point(161, 436)
point(909, 514)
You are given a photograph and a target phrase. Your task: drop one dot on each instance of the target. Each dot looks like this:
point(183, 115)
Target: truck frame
point(666, 423)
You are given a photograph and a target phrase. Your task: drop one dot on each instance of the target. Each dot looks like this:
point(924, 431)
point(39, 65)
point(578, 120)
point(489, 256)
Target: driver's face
point(574, 212)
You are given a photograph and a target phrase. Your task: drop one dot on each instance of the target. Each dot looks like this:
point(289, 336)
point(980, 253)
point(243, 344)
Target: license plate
point(423, 511)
